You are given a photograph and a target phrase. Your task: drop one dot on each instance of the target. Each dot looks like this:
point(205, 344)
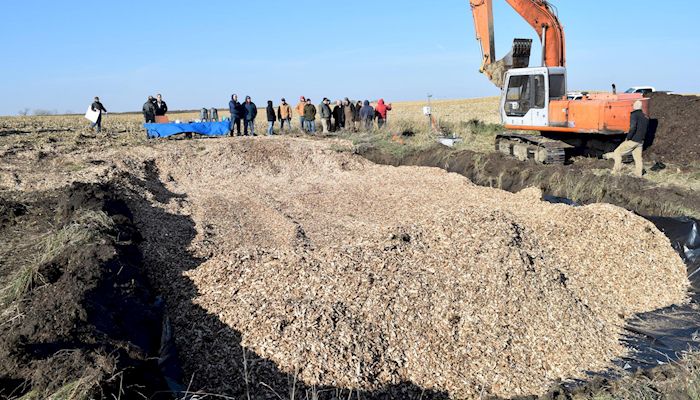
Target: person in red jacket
point(381, 111)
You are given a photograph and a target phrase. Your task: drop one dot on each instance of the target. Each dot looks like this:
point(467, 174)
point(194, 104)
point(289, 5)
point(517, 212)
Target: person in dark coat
point(357, 119)
point(161, 107)
point(149, 111)
point(237, 112)
point(271, 118)
point(325, 112)
point(348, 115)
point(310, 117)
point(97, 106)
point(338, 116)
point(367, 115)
point(634, 142)
point(251, 111)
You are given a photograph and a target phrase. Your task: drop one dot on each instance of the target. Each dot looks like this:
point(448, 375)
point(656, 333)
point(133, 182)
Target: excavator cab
point(526, 95)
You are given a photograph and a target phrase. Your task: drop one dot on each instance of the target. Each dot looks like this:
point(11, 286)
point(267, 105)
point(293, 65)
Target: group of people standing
point(154, 107)
point(343, 115)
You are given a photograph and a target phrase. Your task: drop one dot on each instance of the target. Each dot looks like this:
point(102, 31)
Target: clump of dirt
point(350, 274)
point(675, 129)
point(77, 318)
point(10, 211)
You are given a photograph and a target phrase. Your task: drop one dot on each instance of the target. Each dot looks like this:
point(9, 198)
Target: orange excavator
point(535, 99)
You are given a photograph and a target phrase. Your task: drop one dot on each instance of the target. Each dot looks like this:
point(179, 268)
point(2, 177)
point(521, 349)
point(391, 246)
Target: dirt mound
point(581, 182)
point(676, 139)
point(77, 320)
point(355, 275)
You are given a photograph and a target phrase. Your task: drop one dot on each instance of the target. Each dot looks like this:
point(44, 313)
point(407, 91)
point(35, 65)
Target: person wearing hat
point(97, 106)
point(284, 114)
point(251, 111)
point(367, 116)
point(634, 142)
point(309, 117)
point(149, 110)
point(271, 118)
point(325, 114)
point(300, 112)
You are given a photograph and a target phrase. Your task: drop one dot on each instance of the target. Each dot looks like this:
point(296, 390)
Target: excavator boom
point(540, 15)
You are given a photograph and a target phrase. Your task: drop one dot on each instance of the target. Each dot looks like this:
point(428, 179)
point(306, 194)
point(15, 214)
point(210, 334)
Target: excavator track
point(532, 147)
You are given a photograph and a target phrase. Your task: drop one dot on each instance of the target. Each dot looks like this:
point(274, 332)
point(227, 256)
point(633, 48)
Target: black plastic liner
point(665, 335)
point(662, 336)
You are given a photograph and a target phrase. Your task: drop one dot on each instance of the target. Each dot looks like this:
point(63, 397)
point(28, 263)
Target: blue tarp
point(202, 128)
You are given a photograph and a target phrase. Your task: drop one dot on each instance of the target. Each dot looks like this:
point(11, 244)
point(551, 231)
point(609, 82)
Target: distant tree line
point(40, 112)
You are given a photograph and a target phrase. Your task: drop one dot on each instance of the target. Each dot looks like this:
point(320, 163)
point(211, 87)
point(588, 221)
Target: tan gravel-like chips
point(359, 276)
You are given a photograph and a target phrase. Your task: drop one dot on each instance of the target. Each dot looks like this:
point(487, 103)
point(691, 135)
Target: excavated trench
point(578, 182)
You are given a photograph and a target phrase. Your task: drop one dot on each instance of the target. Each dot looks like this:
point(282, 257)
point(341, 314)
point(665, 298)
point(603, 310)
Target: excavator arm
point(540, 15)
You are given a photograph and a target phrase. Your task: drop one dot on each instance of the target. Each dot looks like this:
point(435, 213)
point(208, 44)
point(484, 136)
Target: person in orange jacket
point(300, 112)
point(381, 111)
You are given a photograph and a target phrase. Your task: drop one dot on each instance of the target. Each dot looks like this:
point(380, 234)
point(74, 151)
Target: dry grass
point(85, 227)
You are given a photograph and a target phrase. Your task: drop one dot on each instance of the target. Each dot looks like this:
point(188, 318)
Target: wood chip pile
point(359, 276)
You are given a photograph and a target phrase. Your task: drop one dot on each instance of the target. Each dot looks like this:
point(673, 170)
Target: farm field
point(364, 265)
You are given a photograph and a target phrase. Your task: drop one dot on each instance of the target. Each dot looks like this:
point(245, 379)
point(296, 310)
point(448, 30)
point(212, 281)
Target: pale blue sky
point(57, 55)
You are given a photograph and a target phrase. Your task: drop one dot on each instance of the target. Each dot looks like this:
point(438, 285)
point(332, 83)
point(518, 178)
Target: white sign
point(91, 115)
point(427, 111)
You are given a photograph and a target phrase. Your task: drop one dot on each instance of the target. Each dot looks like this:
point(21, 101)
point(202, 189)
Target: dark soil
point(675, 129)
point(91, 317)
point(576, 182)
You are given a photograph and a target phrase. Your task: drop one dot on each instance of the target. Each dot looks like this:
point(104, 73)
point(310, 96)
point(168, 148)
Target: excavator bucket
point(519, 57)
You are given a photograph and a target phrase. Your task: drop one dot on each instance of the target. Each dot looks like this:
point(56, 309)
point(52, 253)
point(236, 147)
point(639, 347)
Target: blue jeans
point(302, 123)
point(249, 126)
point(311, 126)
point(97, 123)
point(270, 128)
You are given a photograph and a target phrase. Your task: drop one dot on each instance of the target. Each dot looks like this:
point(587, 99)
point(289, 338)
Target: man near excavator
point(634, 142)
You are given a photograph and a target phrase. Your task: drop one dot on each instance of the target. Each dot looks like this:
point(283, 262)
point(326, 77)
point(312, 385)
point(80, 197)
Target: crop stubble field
point(347, 274)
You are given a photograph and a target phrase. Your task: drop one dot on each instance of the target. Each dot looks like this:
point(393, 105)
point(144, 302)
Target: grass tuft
point(85, 228)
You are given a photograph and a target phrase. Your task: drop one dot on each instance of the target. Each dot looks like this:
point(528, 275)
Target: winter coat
point(284, 111)
point(251, 111)
point(382, 109)
point(639, 124)
point(349, 112)
point(271, 117)
point(149, 110)
point(236, 109)
point(325, 111)
point(309, 112)
point(97, 106)
point(300, 108)
point(367, 112)
point(358, 107)
point(338, 115)
point(161, 108)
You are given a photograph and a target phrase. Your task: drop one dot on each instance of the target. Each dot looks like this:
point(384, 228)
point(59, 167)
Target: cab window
point(525, 93)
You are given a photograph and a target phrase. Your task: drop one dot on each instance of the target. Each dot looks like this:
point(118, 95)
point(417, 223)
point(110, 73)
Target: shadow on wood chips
point(93, 320)
point(202, 339)
point(91, 324)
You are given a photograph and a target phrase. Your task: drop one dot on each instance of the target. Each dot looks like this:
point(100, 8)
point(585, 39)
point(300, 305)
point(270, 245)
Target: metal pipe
point(544, 43)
